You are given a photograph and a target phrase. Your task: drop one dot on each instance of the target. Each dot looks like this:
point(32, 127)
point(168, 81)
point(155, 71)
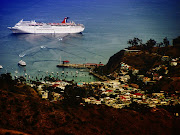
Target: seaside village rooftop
point(115, 93)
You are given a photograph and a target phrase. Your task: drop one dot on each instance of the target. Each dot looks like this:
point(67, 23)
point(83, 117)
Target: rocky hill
point(114, 62)
point(145, 59)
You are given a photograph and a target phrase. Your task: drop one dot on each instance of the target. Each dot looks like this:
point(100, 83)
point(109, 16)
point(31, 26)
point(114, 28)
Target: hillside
point(23, 112)
point(149, 56)
point(148, 61)
point(142, 60)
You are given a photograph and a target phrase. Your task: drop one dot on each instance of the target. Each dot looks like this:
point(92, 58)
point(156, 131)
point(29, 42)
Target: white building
point(44, 94)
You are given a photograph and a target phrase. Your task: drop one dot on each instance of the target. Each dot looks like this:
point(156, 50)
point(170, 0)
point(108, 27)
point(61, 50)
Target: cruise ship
point(40, 27)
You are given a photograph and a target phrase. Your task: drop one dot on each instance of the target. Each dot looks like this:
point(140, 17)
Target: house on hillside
point(156, 77)
point(146, 79)
point(125, 66)
point(135, 71)
point(56, 96)
point(125, 78)
point(130, 51)
point(174, 62)
point(150, 82)
point(158, 94)
point(44, 94)
point(140, 77)
point(165, 58)
point(137, 95)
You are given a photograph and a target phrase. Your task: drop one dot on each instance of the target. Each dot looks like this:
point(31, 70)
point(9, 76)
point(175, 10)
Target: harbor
point(69, 72)
point(89, 66)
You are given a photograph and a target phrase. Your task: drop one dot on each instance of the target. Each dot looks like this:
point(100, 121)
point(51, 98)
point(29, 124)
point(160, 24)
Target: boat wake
point(31, 51)
point(21, 55)
point(53, 47)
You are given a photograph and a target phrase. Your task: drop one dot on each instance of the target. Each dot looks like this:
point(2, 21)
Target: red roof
point(59, 81)
point(55, 85)
point(122, 97)
point(66, 61)
point(138, 94)
point(109, 90)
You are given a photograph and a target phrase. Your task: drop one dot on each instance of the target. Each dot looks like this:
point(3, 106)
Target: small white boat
point(22, 63)
point(1, 66)
point(42, 47)
point(16, 71)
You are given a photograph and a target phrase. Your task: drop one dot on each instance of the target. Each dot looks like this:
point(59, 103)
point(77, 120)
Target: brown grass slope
point(23, 111)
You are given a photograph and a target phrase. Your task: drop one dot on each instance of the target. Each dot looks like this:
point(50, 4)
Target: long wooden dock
point(87, 65)
point(73, 66)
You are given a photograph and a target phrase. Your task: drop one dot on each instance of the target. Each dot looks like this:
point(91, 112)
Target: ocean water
point(109, 24)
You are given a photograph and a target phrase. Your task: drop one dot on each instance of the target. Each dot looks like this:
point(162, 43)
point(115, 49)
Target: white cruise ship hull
point(40, 27)
point(52, 29)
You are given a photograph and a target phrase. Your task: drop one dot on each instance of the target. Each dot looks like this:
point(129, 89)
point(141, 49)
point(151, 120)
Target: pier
point(73, 66)
point(80, 66)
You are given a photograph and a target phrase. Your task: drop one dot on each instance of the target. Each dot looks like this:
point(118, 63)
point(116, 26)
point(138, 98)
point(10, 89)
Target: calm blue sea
point(109, 25)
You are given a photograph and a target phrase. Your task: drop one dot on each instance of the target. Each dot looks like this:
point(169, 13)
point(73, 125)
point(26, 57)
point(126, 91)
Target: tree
point(135, 41)
point(73, 95)
point(151, 43)
point(166, 41)
point(6, 81)
point(176, 42)
point(159, 44)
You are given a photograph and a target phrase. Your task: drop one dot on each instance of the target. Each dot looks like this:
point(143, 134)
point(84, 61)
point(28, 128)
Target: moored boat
point(22, 63)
